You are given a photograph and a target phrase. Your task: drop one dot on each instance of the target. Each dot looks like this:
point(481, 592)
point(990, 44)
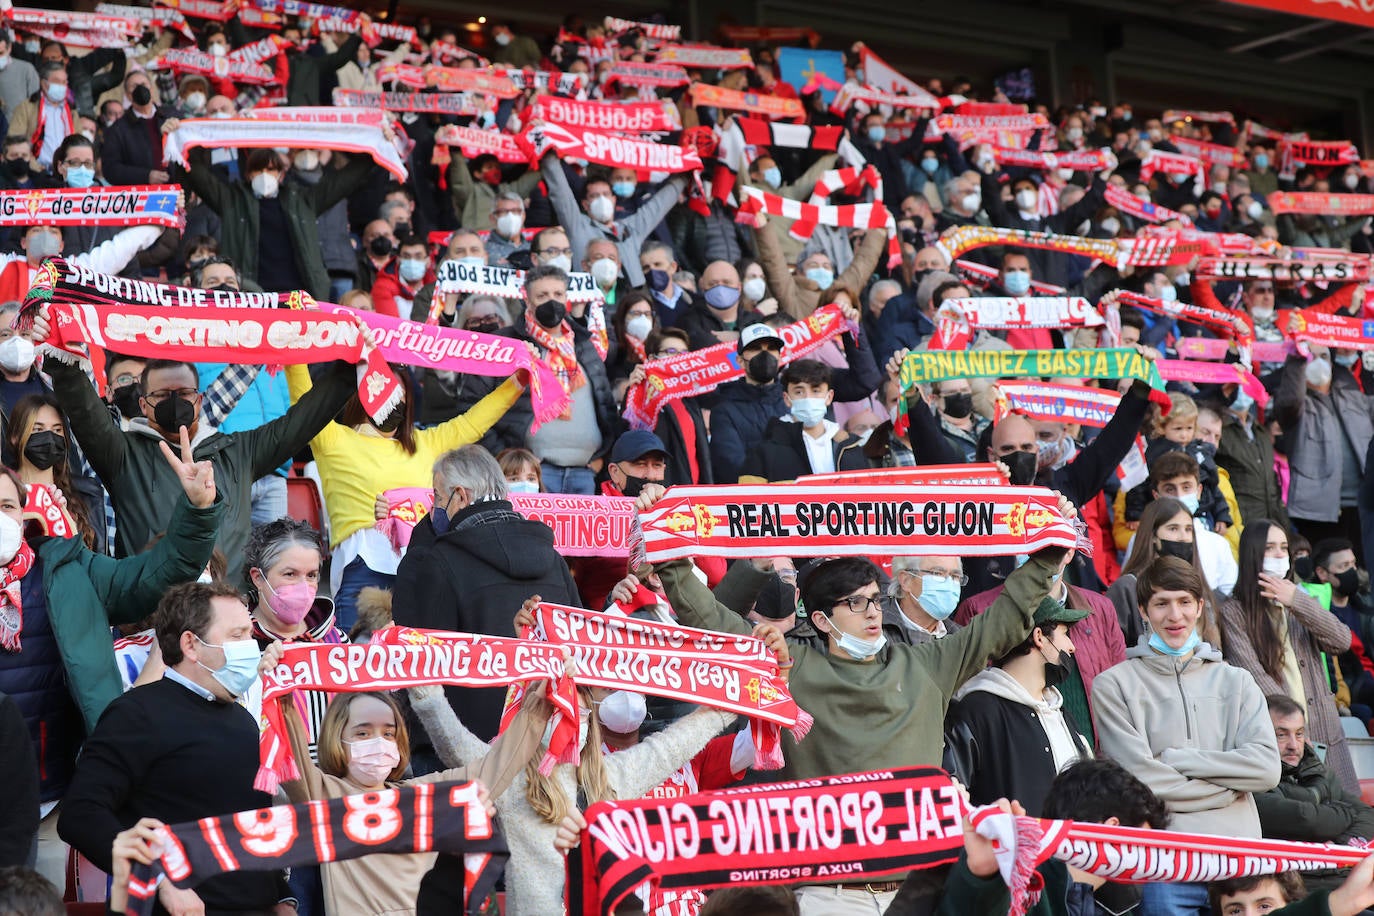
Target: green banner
point(924, 367)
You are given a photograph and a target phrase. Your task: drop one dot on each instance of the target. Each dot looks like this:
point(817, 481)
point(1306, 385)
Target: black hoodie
point(473, 578)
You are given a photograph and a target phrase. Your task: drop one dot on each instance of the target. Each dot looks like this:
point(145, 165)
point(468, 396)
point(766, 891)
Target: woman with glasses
point(681, 426)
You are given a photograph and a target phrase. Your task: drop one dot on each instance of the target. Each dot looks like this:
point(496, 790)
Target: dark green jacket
point(88, 592)
point(1311, 805)
point(1250, 462)
point(239, 209)
point(304, 71)
point(145, 489)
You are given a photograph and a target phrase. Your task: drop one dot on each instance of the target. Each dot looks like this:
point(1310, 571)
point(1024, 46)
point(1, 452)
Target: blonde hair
point(332, 752)
point(1183, 408)
point(546, 797)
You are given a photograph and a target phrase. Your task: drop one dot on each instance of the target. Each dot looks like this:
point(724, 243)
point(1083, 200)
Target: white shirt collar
point(172, 674)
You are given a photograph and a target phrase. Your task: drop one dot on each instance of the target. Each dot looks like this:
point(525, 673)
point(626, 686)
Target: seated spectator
point(1309, 804)
point(992, 744)
point(1192, 728)
point(805, 441)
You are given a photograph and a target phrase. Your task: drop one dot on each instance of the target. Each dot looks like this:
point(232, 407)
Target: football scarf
point(450, 103)
point(705, 57)
point(1314, 326)
point(666, 76)
point(853, 216)
point(1210, 153)
point(1208, 373)
point(583, 526)
point(1133, 206)
point(923, 368)
point(126, 205)
point(1081, 161)
point(620, 117)
point(608, 149)
point(1157, 160)
point(474, 142)
point(1052, 403)
point(808, 520)
point(506, 282)
point(351, 130)
point(657, 31)
point(792, 136)
point(1327, 204)
point(189, 60)
point(769, 106)
point(444, 817)
point(1342, 269)
point(1210, 117)
point(973, 474)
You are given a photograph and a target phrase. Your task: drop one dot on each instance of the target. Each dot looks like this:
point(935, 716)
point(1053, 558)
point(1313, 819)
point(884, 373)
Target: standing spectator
point(805, 441)
point(91, 75)
point(517, 51)
point(922, 598)
point(1274, 629)
point(19, 765)
point(596, 218)
point(182, 748)
point(269, 228)
point(681, 425)
point(476, 186)
point(46, 119)
point(1246, 452)
point(798, 295)
point(132, 151)
point(658, 267)
point(307, 71)
point(1192, 728)
point(1328, 423)
point(961, 427)
point(308, 166)
point(872, 142)
point(375, 253)
point(470, 561)
point(18, 78)
point(718, 315)
point(507, 221)
point(40, 242)
point(400, 283)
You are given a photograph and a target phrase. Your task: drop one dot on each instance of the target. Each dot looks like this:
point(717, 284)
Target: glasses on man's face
point(669, 351)
point(79, 163)
point(944, 576)
point(124, 379)
point(859, 604)
point(554, 252)
point(163, 394)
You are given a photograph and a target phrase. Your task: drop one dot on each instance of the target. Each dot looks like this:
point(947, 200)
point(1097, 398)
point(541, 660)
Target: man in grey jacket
point(1191, 727)
point(595, 218)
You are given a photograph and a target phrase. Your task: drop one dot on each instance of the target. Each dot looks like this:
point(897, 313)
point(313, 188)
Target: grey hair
point(512, 196)
point(546, 272)
point(907, 565)
point(474, 469)
point(269, 542)
point(7, 312)
point(387, 208)
point(471, 302)
point(884, 284)
point(950, 189)
point(653, 245)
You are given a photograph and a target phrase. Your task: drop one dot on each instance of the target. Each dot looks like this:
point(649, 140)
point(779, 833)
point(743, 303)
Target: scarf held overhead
point(809, 520)
point(608, 149)
point(444, 817)
point(1056, 403)
point(697, 372)
point(621, 117)
point(923, 368)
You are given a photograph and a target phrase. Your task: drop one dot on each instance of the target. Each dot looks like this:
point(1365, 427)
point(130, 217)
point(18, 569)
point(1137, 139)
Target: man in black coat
point(805, 441)
point(132, 151)
point(471, 563)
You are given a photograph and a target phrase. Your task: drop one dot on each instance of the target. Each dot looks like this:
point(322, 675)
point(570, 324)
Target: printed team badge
point(701, 521)
point(1019, 519)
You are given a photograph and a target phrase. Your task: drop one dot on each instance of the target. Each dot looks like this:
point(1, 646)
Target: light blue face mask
point(240, 668)
point(1168, 294)
point(808, 411)
point(930, 165)
point(80, 177)
point(1159, 645)
point(1017, 282)
point(856, 647)
point(877, 133)
point(939, 596)
point(1242, 401)
point(821, 276)
point(1190, 502)
point(522, 486)
point(623, 189)
point(1261, 161)
point(773, 177)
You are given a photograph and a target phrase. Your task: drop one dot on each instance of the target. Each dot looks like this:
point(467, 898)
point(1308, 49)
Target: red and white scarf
point(1079, 161)
point(759, 103)
point(474, 142)
point(560, 353)
point(1210, 153)
point(189, 60)
point(1157, 160)
point(1212, 117)
point(450, 103)
point(608, 149)
point(124, 205)
point(854, 216)
point(705, 56)
point(1052, 403)
point(1327, 204)
point(667, 76)
point(11, 602)
point(1346, 268)
point(583, 526)
point(617, 26)
point(620, 117)
point(1133, 206)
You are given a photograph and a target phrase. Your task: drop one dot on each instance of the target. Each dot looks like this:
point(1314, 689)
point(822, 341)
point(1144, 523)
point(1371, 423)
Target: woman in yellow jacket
point(359, 460)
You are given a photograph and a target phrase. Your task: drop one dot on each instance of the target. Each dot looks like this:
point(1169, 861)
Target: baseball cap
point(756, 332)
point(635, 444)
point(1051, 611)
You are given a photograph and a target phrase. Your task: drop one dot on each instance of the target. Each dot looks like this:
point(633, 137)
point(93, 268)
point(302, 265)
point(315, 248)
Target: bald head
point(930, 258)
point(719, 273)
point(1013, 434)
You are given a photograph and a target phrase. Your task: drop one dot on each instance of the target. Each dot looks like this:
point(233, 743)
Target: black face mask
point(633, 485)
point(1022, 467)
point(1058, 672)
point(550, 313)
point(959, 405)
point(393, 419)
point(380, 247)
point(1347, 584)
point(485, 325)
point(777, 600)
point(1305, 569)
point(141, 95)
point(125, 401)
point(1183, 550)
point(18, 168)
point(173, 413)
point(45, 449)
point(402, 230)
point(762, 367)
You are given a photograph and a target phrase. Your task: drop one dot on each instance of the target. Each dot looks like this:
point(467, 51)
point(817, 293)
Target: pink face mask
point(370, 761)
point(290, 602)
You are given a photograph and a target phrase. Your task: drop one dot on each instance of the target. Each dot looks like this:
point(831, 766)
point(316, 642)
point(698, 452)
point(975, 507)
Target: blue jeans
point(357, 576)
point(269, 499)
point(580, 481)
point(1174, 900)
point(338, 286)
point(308, 888)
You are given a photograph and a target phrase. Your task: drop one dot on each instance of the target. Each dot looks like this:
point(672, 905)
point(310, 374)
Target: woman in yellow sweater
point(360, 460)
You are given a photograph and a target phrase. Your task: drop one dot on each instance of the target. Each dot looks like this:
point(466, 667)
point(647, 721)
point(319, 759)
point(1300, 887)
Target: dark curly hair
point(1095, 790)
point(267, 544)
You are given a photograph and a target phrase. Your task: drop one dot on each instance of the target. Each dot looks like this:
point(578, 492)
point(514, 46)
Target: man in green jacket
point(876, 704)
point(142, 486)
point(268, 221)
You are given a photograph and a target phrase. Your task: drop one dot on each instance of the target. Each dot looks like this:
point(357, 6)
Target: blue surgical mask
point(1017, 282)
point(1348, 360)
point(1190, 502)
point(522, 486)
point(1261, 161)
point(411, 270)
point(856, 647)
point(808, 411)
point(240, 668)
point(1159, 645)
point(877, 133)
point(623, 189)
point(773, 176)
point(721, 297)
point(930, 165)
point(80, 177)
point(939, 596)
point(1168, 294)
point(1242, 401)
point(821, 276)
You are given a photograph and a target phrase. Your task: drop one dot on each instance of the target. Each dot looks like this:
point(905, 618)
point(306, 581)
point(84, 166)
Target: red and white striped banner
point(851, 92)
point(792, 136)
point(706, 57)
point(567, 84)
point(853, 216)
point(933, 475)
point(74, 27)
point(620, 117)
point(450, 103)
point(1081, 161)
point(769, 106)
point(189, 60)
point(662, 75)
point(126, 205)
point(1157, 160)
point(474, 142)
point(808, 520)
point(1133, 206)
point(617, 26)
point(1210, 153)
point(1093, 407)
point(607, 149)
point(1326, 204)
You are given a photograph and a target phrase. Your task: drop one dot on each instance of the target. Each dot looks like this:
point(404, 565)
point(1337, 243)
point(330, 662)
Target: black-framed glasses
point(153, 397)
point(554, 252)
point(860, 604)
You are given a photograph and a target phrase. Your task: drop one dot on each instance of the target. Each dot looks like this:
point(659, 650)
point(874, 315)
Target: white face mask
point(11, 536)
point(561, 261)
point(16, 354)
point(755, 288)
point(265, 184)
point(601, 209)
point(622, 712)
point(371, 761)
point(195, 101)
point(639, 326)
point(1276, 566)
point(307, 160)
point(972, 202)
point(1026, 200)
point(509, 224)
point(604, 272)
point(57, 93)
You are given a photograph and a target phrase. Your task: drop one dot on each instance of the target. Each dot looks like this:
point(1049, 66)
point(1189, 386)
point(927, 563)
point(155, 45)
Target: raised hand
point(525, 616)
point(197, 477)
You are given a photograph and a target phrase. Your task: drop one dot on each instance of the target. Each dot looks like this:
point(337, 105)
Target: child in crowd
point(1176, 432)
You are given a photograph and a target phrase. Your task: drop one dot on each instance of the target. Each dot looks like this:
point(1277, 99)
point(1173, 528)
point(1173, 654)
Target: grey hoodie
point(1196, 731)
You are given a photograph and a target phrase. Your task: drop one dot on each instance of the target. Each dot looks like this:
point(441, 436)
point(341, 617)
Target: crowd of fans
point(1201, 671)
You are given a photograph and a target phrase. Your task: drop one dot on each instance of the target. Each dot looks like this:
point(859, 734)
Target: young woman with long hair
point(1166, 529)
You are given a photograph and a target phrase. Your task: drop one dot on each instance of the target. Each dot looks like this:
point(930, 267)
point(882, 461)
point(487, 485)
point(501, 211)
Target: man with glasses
point(922, 598)
point(877, 703)
point(551, 249)
point(507, 221)
point(142, 485)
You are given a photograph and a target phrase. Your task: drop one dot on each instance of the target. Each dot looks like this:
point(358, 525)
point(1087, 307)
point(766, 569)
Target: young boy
point(1177, 433)
point(805, 441)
